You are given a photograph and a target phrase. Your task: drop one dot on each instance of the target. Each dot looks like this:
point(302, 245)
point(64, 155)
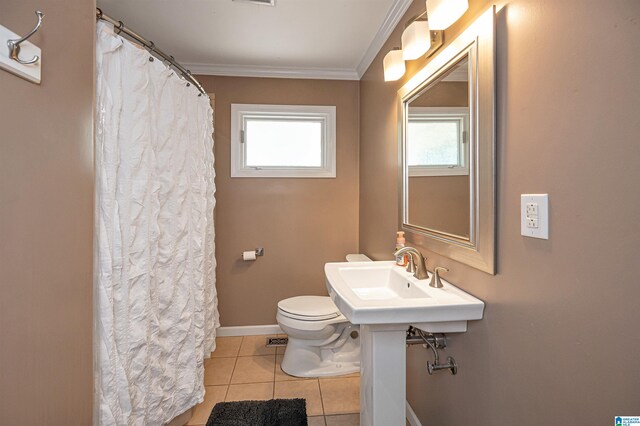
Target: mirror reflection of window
point(438, 141)
point(435, 142)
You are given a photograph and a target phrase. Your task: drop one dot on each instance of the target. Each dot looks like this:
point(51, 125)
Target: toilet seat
point(309, 308)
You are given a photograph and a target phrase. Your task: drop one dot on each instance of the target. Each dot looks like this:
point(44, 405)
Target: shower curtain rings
point(150, 47)
point(169, 61)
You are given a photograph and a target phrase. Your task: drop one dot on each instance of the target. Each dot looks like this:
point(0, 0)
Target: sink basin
point(384, 293)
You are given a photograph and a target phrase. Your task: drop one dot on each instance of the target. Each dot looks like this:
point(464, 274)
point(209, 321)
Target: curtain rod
point(119, 28)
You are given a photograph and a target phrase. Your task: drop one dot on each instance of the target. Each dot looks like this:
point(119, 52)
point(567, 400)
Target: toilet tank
point(357, 257)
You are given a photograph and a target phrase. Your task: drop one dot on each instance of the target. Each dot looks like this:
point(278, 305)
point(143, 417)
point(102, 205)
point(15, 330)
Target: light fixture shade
point(443, 13)
point(393, 65)
point(416, 40)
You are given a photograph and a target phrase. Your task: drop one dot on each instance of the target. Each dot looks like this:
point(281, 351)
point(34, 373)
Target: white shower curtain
point(155, 268)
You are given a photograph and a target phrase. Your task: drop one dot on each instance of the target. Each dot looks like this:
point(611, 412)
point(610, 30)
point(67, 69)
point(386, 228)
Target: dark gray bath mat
point(275, 412)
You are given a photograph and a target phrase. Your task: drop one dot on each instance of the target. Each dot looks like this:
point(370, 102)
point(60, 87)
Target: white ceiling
point(296, 38)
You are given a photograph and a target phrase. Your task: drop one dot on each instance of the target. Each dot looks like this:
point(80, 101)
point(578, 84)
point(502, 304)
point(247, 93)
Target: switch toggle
point(534, 215)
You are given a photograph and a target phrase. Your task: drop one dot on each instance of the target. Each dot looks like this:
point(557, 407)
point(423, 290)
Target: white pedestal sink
point(384, 299)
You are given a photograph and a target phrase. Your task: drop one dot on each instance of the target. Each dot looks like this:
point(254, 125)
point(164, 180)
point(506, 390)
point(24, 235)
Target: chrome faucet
point(418, 260)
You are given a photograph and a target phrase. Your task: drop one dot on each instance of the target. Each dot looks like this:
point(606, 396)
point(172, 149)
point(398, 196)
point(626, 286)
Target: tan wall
point(559, 342)
point(46, 221)
point(440, 202)
point(301, 223)
point(444, 94)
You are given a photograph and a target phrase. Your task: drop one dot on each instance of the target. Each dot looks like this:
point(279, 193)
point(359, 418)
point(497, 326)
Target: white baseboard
point(249, 330)
point(411, 416)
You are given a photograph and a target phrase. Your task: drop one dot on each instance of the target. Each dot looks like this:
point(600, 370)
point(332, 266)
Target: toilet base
point(302, 359)
point(326, 371)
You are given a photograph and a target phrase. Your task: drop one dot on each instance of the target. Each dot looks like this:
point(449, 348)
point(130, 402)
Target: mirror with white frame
point(447, 150)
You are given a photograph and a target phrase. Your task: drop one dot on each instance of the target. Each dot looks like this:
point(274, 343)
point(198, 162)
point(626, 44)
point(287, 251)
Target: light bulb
point(416, 40)
point(393, 65)
point(443, 13)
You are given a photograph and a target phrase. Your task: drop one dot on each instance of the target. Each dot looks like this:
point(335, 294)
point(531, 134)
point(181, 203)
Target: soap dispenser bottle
point(401, 260)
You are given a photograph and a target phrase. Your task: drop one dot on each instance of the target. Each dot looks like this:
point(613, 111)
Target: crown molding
point(273, 72)
point(394, 15)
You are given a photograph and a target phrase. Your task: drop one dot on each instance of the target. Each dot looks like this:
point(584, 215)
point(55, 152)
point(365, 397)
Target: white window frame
point(325, 114)
point(460, 114)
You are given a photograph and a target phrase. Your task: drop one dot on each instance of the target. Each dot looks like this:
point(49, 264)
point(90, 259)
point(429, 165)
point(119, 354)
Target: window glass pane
point(284, 143)
point(433, 143)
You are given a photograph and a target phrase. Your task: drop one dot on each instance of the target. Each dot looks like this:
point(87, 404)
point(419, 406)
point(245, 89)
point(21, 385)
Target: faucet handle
point(435, 278)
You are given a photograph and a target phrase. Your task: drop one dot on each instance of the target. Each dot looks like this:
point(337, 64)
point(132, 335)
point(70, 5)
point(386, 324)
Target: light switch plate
point(27, 51)
point(534, 215)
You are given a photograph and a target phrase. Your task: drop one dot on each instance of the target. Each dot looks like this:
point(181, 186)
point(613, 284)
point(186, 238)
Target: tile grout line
point(233, 371)
point(275, 365)
point(322, 400)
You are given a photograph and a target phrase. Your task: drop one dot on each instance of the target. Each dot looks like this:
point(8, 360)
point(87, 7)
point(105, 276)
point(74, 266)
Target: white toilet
point(322, 342)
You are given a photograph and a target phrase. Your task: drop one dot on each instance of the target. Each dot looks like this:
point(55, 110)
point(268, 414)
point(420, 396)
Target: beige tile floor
point(242, 368)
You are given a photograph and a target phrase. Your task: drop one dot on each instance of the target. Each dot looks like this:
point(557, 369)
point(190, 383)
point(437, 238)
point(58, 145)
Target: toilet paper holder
point(259, 252)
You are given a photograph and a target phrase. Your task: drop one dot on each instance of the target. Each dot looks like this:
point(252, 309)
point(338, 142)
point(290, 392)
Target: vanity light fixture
point(443, 13)
point(393, 65)
point(416, 39)
point(423, 35)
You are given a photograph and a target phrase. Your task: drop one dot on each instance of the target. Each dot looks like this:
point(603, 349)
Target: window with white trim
point(283, 141)
point(437, 141)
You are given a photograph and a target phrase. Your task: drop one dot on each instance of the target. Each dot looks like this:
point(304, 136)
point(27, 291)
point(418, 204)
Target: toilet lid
point(309, 308)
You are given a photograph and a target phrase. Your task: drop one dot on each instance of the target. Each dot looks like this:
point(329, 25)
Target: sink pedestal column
point(383, 375)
